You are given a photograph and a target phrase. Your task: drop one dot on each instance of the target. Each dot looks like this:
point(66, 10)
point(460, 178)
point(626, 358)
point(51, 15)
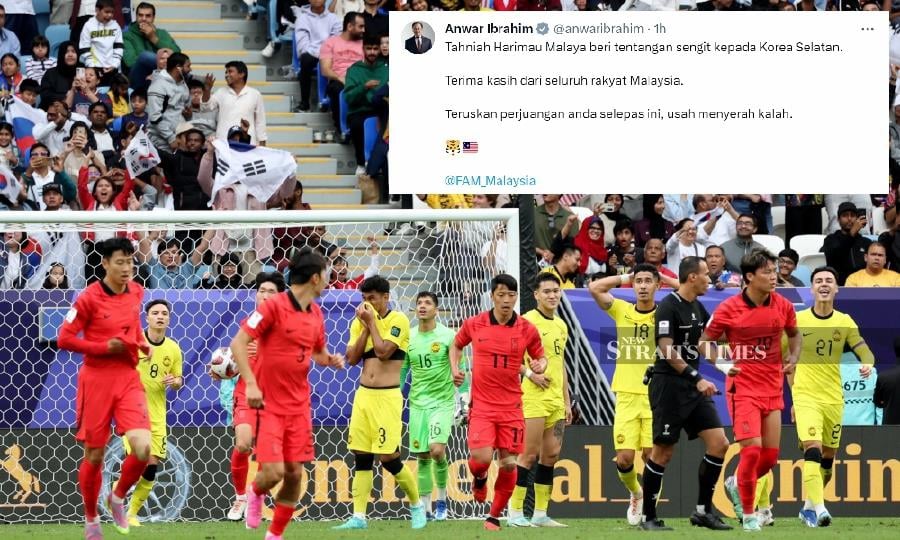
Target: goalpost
point(453, 253)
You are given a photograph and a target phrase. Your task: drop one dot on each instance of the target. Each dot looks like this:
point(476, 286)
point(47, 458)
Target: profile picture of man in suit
point(418, 43)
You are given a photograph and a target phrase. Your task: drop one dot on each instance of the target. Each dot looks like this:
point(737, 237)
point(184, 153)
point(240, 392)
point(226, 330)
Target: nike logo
point(543, 334)
point(482, 340)
point(106, 315)
point(807, 334)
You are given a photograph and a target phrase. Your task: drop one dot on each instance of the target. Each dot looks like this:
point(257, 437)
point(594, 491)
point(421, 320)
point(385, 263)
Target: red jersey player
point(289, 330)
point(499, 339)
point(108, 315)
point(268, 284)
point(753, 323)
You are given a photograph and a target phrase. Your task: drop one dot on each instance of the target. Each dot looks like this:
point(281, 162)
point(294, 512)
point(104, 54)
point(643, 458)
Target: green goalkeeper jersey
point(428, 357)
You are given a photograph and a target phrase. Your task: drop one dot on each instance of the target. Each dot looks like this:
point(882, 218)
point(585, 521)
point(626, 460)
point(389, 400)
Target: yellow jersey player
point(546, 407)
point(817, 391)
point(159, 372)
point(379, 337)
point(635, 350)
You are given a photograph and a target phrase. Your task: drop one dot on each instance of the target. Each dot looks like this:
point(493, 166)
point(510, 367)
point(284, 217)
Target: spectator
point(845, 249)
point(9, 153)
point(610, 212)
point(493, 252)
point(79, 152)
point(684, 243)
point(29, 93)
point(230, 274)
point(84, 10)
point(787, 262)
point(142, 41)
point(874, 274)
point(167, 98)
point(205, 121)
point(588, 239)
point(118, 95)
point(138, 115)
point(44, 171)
point(295, 201)
point(678, 207)
point(85, 94)
point(56, 277)
point(654, 251)
point(336, 56)
point(313, 26)
point(760, 205)
point(373, 183)
point(468, 5)
point(623, 256)
point(653, 225)
point(340, 270)
point(364, 78)
point(887, 391)
point(57, 81)
point(182, 168)
point(566, 262)
point(719, 277)
point(343, 7)
point(56, 131)
point(833, 202)
point(59, 247)
point(802, 215)
point(375, 18)
point(40, 61)
point(414, 5)
point(890, 238)
point(742, 244)
point(103, 140)
point(20, 256)
point(100, 45)
point(549, 219)
point(538, 5)
point(9, 41)
point(168, 271)
point(237, 102)
point(10, 75)
point(716, 219)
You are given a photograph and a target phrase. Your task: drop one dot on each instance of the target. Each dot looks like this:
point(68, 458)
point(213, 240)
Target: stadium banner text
point(532, 102)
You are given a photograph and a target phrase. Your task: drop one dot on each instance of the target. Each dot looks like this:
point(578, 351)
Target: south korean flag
point(140, 156)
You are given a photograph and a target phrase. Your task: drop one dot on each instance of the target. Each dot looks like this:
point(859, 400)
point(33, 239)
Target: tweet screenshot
point(536, 102)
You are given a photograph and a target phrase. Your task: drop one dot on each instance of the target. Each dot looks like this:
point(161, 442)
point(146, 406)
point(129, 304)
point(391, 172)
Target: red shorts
point(499, 430)
point(243, 414)
point(284, 439)
point(105, 394)
point(747, 413)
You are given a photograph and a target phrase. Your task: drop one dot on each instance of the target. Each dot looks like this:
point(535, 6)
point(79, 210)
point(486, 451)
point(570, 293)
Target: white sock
point(442, 494)
point(807, 505)
point(426, 502)
point(513, 514)
point(701, 509)
point(242, 498)
point(638, 494)
point(360, 516)
point(115, 499)
point(538, 514)
point(819, 508)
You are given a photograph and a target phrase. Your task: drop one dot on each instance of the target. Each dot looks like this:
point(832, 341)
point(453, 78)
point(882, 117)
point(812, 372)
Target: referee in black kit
point(681, 399)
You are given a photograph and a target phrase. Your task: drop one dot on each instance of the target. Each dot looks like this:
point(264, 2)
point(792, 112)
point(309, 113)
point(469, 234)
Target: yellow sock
point(826, 475)
point(141, 491)
point(763, 490)
point(362, 488)
point(517, 501)
point(629, 480)
point(408, 484)
point(812, 481)
point(542, 496)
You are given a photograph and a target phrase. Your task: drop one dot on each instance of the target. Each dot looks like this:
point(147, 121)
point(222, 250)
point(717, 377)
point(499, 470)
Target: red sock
point(283, 516)
point(478, 468)
point(132, 469)
point(256, 490)
point(240, 465)
point(767, 460)
point(746, 477)
point(503, 488)
point(90, 478)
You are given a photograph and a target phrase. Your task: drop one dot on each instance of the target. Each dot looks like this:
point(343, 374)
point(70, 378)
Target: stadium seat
point(56, 34)
point(345, 129)
point(771, 242)
point(117, 125)
point(812, 261)
point(273, 17)
point(324, 101)
point(807, 244)
point(581, 212)
point(803, 273)
point(879, 225)
point(295, 58)
point(370, 135)
point(778, 221)
point(42, 14)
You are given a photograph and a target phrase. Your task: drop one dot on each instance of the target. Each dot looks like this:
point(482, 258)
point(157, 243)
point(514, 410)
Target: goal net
point(204, 264)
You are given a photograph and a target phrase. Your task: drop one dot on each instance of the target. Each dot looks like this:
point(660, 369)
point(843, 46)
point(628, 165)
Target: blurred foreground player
point(108, 315)
point(289, 330)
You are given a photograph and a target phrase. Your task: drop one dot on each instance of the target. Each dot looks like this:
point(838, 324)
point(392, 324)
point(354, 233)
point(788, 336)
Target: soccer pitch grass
point(579, 529)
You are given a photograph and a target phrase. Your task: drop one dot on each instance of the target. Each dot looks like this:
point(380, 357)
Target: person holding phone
point(845, 249)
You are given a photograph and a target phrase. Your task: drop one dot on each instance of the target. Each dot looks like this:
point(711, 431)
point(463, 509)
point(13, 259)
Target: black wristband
point(691, 374)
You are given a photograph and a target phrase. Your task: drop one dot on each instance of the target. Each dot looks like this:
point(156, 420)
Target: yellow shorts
point(376, 422)
point(819, 421)
point(157, 442)
point(633, 424)
point(551, 412)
